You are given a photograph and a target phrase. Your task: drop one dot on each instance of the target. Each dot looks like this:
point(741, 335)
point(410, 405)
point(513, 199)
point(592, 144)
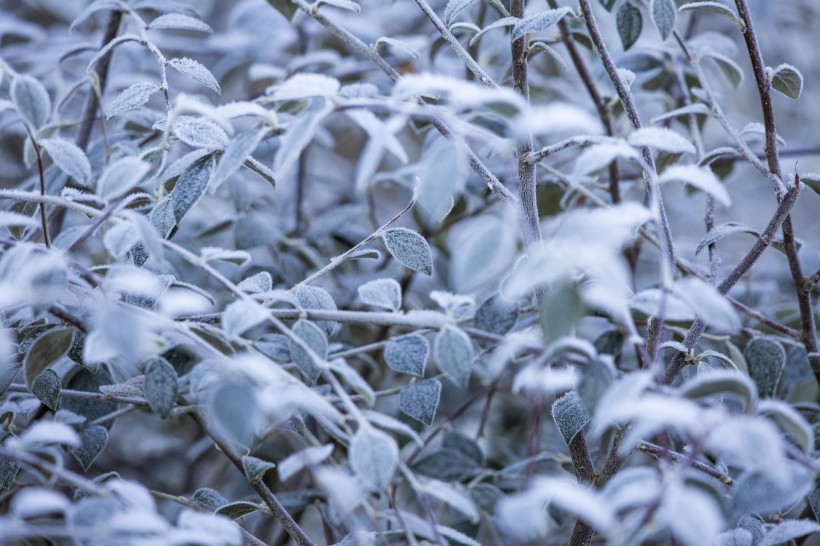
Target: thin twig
point(664, 453)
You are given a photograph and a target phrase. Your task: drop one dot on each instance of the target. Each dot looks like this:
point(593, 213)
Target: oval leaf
point(420, 400)
point(663, 14)
point(191, 186)
point(453, 351)
point(570, 415)
point(407, 354)
point(538, 22)
point(384, 293)
point(132, 97)
point(765, 359)
point(787, 80)
point(374, 456)
point(410, 248)
point(630, 23)
point(161, 386)
point(196, 72)
point(69, 158)
point(31, 100)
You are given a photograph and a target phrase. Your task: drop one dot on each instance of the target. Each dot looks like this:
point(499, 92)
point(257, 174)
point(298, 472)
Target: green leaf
point(410, 248)
point(93, 440)
point(191, 185)
point(787, 80)
point(46, 350)
point(765, 358)
point(560, 312)
point(287, 8)
point(570, 415)
point(255, 468)
point(407, 354)
point(420, 400)
point(663, 14)
point(454, 355)
point(47, 388)
point(161, 386)
point(630, 23)
point(238, 509)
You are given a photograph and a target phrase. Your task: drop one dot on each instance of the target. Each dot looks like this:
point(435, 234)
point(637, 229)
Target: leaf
point(200, 132)
point(313, 297)
point(765, 358)
point(242, 315)
point(310, 456)
point(348, 5)
point(410, 248)
point(569, 415)
point(93, 440)
point(452, 497)
point(209, 498)
point(496, 315)
point(661, 138)
point(708, 304)
point(663, 14)
point(47, 388)
point(454, 8)
point(162, 218)
point(442, 178)
point(734, 537)
point(161, 386)
point(788, 530)
point(711, 7)
point(720, 231)
point(630, 23)
point(178, 21)
point(728, 67)
point(538, 22)
point(787, 80)
point(788, 419)
point(31, 100)
point(384, 293)
point(374, 456)
point(287, 8)
point(45, 351)
point(699, 177)
point(420, 400)
point(191, 186)
point(449, 465)
point(315, 338)
point(131, 97)
point(257, 284)
point(120, 238)
point(255, 468)
point(49, 433)
point(721, 382)
point(303, 86)
point(560, 312)
point(296, 139)
point(503, 22)
point(453, 351)
point(407, 354)
point(236, 153)
point(69, 158)
point(8, 471)
point(9, 219)
point(121, 176)
point(238, 509)
point(86, 380)
point(196, 72)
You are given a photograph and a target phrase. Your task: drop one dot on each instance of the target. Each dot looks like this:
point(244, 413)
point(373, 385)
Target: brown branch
point(664, 453)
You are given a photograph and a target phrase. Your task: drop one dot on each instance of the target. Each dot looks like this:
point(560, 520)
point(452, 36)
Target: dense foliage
point(397, 272)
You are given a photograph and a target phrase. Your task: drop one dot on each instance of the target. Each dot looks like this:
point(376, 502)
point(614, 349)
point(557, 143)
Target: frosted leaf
point(236, 153)
point(692, 515)
point(442, 178)
point(120, 238)
point(196, 72)
point(787, 80)
point(663, 15)
point(454, 355)
point(91, 9)
point(701, 178)
point(569, 415)
point(500, 23)
point(121, 176)
point(721, 382)
point(191, 186)
point(384, 293)
point(274, 346)
point(31, 100)
point(454, 8)
point(630, 23)
point(93, 440)
point(345, 492)
point(33, 502)
point(315, 339)
point(734, 537)
point(313, 297)
point(47, 388)
point(728, 67)
point(302, 86)
point(711, 7)
point(255, 284)
point(788, 530)
point(481, 249)
point(420, 400)
point(544, 380)
point(452, 497)
point(209, 529)
point(407, 354)
point(404, 47)
point(761, 492)
point(374, 456)
point(599, 156)
point(161, 386)
point(682, 112)
point(787, 418)
point(8, 219)
point(132, 97)
point(462, 94)
point(648, 302)
point(765, 359)
point(310, 456)
point(199, 132)
point(242, 315)
point(598, 375)
point(720, 231)
point(49, 432)
point(46, 350)
point(538, 22)
point(496, 315)
point(69, 158)
point(410, 248)
point(384, 421)
point(255, 468)
point(348, 5)
point(179, 21)
point(708, 304)
point(299, 134)
point(661, 138)
point(557, 118)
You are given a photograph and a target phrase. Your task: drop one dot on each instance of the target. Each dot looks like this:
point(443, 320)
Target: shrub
point(368, 273)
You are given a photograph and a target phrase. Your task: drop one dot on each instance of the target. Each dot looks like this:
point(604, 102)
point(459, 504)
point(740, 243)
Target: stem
point(43, 215)
point(462, 53)
point(662, 452)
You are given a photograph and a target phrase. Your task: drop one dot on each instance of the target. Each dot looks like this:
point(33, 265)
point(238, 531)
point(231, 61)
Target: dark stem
point(43, 215)
point(668, 454)
point(773, 159)
point(581, 460)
